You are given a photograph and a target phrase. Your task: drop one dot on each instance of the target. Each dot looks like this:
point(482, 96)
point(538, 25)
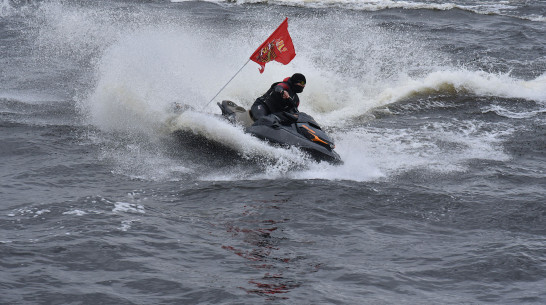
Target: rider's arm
point(280, 89)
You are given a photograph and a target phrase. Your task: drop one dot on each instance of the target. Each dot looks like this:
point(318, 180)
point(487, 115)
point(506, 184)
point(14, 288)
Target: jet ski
point(285, 129)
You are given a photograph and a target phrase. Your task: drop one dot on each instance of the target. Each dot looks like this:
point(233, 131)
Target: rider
point(281, 97)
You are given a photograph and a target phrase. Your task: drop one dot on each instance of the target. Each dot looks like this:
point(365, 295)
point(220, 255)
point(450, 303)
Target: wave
point(500, 8)
point(446, 82)
point(507, 113)
point(141, 67)
point(28, 97)
point(144, 72)
point(368, 153)
point(474, 82)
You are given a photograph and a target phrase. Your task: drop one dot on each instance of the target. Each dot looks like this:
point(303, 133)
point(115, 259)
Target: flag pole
point(264, 47)
point(229, 81)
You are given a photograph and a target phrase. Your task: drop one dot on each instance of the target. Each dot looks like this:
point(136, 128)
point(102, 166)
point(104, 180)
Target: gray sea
point(437, 108)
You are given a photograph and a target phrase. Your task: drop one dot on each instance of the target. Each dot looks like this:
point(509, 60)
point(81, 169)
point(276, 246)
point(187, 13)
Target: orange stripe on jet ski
point(316, 138)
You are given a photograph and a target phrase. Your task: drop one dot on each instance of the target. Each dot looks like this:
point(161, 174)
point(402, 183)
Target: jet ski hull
point(303, 133)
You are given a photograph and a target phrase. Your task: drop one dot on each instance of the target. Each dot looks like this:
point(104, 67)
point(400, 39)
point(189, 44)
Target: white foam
point(125, 207)
point(75, 212)
point(127, 224)
point(499, 110)
point(143, 72)
point(41, 212)
point(358, 162)
point(436, 147)
point(221, 131)
point(502, 8)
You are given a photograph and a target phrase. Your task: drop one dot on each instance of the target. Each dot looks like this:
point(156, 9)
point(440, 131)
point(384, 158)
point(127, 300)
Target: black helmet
point(298, 78)
point(298, 81)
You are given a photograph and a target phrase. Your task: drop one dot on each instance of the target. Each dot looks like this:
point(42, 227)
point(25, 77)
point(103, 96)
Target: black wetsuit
point(272, 101)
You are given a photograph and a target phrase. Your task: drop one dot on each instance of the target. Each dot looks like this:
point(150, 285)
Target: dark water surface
point(437, 109)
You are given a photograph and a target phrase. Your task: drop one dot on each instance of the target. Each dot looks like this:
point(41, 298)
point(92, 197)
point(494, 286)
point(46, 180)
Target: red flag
point(278, 47)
